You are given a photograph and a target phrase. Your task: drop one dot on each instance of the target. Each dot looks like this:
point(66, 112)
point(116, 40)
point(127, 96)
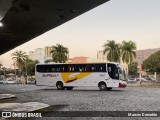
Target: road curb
point(6, 97)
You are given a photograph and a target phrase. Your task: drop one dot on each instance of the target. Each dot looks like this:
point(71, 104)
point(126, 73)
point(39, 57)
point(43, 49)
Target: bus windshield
point(122, 75)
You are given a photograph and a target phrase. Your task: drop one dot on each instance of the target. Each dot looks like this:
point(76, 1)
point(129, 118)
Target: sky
point(136, 20)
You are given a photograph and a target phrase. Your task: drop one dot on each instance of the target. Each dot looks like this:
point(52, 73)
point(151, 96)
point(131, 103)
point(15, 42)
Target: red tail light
point(122, 85)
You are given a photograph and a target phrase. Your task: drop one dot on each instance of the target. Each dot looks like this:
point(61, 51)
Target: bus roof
point(77, 63)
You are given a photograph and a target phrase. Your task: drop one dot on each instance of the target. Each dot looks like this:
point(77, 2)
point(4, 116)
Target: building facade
point(84, 60)
point(47, 51)
point(31, 55)
point(39, 55)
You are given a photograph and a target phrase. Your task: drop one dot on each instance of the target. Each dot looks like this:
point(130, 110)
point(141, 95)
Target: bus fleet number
point(102, 75)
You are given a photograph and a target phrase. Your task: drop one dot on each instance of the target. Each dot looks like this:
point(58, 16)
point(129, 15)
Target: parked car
point(131, 79)
point(150, 79)
point(9, 81)
point(30, 81)
point(142, 79)
point(1, 81)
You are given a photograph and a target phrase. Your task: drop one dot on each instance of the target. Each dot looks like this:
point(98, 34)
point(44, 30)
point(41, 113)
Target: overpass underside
point(27, 19)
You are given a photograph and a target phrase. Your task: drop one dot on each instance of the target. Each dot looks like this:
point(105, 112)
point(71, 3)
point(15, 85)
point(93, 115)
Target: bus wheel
point(109, 88)
point(60, 86)
point(102, 86)
point(69, 88)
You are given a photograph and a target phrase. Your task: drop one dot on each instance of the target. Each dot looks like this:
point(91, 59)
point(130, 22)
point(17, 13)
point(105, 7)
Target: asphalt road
point(89, 99)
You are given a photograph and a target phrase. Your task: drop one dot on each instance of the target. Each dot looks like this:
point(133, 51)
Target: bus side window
point(87, 68)
point(57, 68)
point(76, 68)
point(71, 68)
point(60, 68)
point(98, 68)
point(63, 68)
point(40, 68)
point(66, 68)
point(47, 69)
point(81, 68)
point(92, 68)
point(101, 68)
point(53, 69)
point(104, 68)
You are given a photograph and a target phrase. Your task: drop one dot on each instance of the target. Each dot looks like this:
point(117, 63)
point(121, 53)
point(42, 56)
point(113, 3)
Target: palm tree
point(19, 58)
point(0, 69)
point(47, 61)
point(128, 51)
point(59, 53)
point(112, 49)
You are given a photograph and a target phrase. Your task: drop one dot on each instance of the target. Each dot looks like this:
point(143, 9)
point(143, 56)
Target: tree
point(112, 49)
point(19, 58)
point(59, 53)
point(1, 71)
point(47, 61)
point(0, 65)
point(132, 68)
point(152, 63)
point(31, 67)
point(128, 51)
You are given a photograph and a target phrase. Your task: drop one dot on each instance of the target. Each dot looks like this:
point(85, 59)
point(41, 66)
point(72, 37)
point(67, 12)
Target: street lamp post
point(26, 68)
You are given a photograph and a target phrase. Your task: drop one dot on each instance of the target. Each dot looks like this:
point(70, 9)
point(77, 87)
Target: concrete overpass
point(24, 20)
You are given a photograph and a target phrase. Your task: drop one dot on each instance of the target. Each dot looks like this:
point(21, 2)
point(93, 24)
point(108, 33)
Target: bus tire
point(69, 88)
point(102, 86)
point(109, 88)
point(60, 86)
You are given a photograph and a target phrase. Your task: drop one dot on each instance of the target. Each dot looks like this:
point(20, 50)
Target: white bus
point(69, 75)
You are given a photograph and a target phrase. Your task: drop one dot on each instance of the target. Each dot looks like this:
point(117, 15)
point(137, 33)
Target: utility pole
point(140, 73)
point(155, 75)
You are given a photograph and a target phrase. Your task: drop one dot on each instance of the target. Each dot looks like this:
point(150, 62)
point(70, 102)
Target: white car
point(150, 79)
point(9, 81)
point(131, 79)
point(1, 82)
point(30, 81)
